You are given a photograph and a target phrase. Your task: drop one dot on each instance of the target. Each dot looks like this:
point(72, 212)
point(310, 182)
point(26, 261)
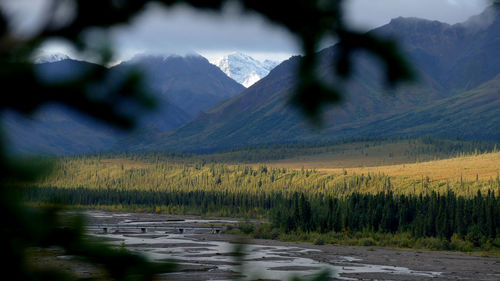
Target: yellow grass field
point(464, 175)
point(484, 167)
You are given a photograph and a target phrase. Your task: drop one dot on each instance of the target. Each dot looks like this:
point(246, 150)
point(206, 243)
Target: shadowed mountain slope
point(457, 67)
point(183, 86)
point(191, 83)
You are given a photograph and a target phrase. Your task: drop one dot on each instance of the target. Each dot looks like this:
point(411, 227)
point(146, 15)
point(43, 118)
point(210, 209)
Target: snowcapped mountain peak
point(53, 57)
point(243, 68)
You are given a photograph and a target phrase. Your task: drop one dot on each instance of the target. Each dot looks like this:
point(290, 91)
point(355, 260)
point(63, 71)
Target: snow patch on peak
point(251, 79)
point(243, 68)
point(48, 58)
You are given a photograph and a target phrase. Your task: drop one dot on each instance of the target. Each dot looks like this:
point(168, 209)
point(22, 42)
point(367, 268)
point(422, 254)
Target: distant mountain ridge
point(243, 68)
point(183, 87)
point(189, 82)
point(459, 56)
point(457, 95)
point(202, 109)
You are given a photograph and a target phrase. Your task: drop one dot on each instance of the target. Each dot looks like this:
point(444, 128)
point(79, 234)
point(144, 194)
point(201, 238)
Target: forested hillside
point(458, 213)
point(464, 174)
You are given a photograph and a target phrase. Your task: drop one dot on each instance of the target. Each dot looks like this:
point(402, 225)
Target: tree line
point(421, 148)
point(474, 219)
point(434, 215)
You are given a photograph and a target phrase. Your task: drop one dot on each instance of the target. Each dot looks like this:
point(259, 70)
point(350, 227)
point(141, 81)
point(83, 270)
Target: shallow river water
point(266, 262)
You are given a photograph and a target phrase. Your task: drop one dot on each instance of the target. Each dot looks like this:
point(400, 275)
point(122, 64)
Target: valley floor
point(418, 265)
point(452, 265)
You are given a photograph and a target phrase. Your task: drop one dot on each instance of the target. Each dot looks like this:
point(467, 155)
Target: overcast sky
point(182, 30)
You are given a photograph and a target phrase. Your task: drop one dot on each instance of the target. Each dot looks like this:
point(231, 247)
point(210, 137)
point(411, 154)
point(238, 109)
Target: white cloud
point(182, 30)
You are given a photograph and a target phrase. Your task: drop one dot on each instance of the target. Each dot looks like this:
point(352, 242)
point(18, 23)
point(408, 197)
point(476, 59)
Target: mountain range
point(456, 95)
point(182, 86)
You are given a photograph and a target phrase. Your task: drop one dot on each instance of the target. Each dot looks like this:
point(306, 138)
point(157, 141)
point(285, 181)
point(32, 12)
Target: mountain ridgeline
point(201, 109)
point(182, 86)
point(190, 83)
point(456, 95)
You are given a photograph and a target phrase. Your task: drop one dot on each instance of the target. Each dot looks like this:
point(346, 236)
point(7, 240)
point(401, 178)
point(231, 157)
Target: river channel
point(203, 254)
